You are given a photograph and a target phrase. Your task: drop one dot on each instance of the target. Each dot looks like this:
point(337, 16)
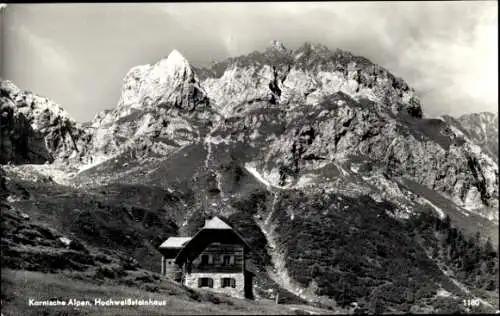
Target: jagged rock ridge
point(303, 76)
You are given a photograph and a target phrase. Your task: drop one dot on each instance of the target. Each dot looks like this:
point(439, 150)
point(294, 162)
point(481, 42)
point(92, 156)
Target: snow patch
point(253, 171)
point(255, 134)
point(12, 199)
point(438, 210)
point(305, 181)
point(443, 293)
point(342, 170)
point(355, 168)
point(65, 241)
point(218, 140)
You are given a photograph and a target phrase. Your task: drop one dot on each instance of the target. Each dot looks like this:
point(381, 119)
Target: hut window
point(228, 282)
point(207, 259)
point(227, 260)
point(204, 259)
point(206, 282)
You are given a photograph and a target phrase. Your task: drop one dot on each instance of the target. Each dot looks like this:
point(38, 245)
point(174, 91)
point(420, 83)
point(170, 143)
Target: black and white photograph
point(249, 158)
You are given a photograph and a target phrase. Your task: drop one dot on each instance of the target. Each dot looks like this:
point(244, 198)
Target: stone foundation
point(191, 280)
point(171, 270)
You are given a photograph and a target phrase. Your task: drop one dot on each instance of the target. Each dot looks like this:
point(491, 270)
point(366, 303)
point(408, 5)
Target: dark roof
point(215, 230)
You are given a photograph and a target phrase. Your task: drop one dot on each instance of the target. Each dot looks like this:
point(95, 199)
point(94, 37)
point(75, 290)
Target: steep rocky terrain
point(321, 158)
point(162, 108)
point(36, 130)
point(481, 129)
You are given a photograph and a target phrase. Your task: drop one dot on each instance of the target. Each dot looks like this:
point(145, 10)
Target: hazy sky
point(77, 54)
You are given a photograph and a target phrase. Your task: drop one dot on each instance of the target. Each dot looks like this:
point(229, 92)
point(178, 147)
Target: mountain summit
point(170, 81)
point(156, 100)
point(304, 76)
point(278, 46)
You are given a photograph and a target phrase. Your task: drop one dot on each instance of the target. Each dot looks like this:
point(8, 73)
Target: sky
point(78, 54)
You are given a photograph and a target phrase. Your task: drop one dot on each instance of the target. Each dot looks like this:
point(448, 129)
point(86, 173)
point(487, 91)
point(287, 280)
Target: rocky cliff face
point(479, 128)
point(36, 130)
point(162, 107)
point(317, 107)
point(300, 77)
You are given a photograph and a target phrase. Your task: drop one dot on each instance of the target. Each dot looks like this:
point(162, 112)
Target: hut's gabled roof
point(216, 223)
point(215, 230)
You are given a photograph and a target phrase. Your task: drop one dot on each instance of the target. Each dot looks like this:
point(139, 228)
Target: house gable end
point(204, 238)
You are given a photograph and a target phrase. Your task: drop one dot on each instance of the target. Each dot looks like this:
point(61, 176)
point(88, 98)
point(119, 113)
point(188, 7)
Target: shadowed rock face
point(36, 130)
point(19, 143)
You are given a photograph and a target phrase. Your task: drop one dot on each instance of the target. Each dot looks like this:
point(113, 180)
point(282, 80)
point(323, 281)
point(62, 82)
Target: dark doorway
point(249, 285)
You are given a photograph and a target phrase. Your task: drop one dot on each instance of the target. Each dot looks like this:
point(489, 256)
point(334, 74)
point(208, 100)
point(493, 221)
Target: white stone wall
point(191, 281)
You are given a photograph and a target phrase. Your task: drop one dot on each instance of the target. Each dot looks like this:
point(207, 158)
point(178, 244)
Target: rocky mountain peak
point(277, 46)
point(175, 66)
point(309, 48)
point(169, 82)
point(159, 102)
point(479, 128)
point(481, 117)
point(30, 104)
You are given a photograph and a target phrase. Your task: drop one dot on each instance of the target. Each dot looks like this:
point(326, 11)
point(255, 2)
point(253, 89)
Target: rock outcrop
point(36, 130)
point(162, 107)
point(303, 77)
point(479, 128)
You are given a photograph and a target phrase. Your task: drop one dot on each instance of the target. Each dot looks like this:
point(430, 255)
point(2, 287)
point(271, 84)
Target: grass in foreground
point(18, 287)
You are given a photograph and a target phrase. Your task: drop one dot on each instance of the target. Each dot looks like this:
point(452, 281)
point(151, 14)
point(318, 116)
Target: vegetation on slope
point(473, 261)
point(353, 250)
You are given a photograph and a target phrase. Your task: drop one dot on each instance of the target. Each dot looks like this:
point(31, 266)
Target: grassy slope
point(113, 223)
point(104, 221)
point(19, 286)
